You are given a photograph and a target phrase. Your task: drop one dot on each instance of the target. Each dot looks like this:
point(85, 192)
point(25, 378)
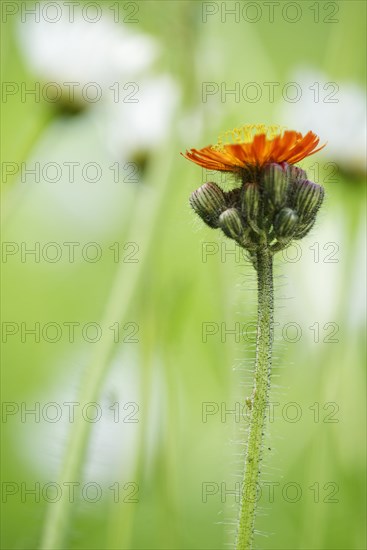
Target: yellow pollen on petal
point(246, 134)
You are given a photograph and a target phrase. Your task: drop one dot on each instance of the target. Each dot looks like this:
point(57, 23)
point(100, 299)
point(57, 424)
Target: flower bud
point(275, 183)
point(251, 203)
point(309, 204)
point(295, 173)
point(307, 199)
point(285, 223)
point(303, 229)
point(208, 202)
point(231, 224)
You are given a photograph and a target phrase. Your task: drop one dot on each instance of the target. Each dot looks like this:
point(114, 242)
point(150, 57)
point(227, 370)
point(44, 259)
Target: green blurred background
point(164, 385)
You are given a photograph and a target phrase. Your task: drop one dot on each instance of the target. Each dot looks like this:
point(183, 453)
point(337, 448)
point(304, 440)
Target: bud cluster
point(271, 208)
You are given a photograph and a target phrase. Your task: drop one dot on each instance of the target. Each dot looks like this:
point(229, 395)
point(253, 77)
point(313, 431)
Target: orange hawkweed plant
point(272, 204)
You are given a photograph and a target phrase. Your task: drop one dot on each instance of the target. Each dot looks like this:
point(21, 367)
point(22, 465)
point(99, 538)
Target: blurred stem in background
point(122, 293)
point(259, 399)
point(184, 34)
point(121, 517)
point(13, 195)
point(18, 146)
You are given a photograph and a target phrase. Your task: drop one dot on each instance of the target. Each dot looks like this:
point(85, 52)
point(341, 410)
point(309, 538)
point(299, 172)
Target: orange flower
point(254, 146)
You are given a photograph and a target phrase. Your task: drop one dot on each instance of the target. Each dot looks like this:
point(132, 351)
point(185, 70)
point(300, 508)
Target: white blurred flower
point(115, 421)
point(336, 111)
point(142, 125)
point(84, 52)
point(133, 114)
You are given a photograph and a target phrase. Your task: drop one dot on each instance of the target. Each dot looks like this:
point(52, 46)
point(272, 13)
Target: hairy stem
point(258, 400)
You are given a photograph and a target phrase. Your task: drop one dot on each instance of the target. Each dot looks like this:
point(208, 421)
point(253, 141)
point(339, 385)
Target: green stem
point(258, 400)
point(118, 303)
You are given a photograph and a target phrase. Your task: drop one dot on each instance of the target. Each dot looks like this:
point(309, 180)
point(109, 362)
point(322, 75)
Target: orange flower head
point(254, 146)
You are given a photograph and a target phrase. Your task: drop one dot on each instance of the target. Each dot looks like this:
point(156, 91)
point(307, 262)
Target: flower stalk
point(273, 204)
point(259, 399)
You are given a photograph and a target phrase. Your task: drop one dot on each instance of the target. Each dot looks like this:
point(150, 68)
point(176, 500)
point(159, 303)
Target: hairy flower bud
point(307, 199)
point(208, 202)
point(303, 228)
point(275, 183)
point(231, 224)
point(251, 204)
point(285, 223)
point(295, 173)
